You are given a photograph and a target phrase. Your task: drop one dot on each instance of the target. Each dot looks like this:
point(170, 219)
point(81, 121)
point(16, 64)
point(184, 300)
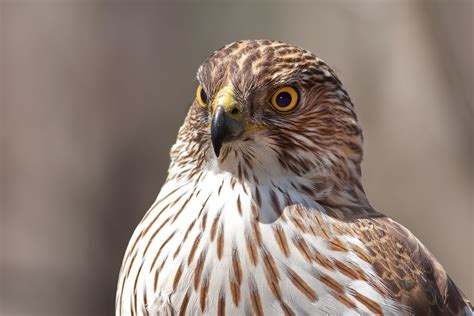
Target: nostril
point(235, 111)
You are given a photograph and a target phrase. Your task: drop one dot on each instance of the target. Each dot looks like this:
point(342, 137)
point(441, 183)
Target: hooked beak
point(226, 123)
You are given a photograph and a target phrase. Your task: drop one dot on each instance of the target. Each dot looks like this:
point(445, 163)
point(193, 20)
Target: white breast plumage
point(237, 243)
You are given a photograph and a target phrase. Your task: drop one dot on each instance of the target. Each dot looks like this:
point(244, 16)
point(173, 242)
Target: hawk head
point(268, 109)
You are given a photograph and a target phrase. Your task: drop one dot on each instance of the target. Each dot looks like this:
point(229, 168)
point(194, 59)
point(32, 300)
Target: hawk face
point(261, 104)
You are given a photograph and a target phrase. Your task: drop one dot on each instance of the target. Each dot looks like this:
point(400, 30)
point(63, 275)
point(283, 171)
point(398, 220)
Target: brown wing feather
point(409, 271)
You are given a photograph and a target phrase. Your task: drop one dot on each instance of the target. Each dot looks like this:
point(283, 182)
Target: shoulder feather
point(411, 274)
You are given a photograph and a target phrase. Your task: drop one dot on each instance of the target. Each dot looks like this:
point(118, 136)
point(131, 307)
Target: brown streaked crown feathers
point(263, 211)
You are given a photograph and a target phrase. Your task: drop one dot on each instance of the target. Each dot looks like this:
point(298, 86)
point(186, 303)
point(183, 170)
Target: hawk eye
point(201, 96)
point(284, 99)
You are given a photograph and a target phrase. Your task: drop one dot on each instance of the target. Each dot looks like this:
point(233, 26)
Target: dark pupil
point(203, 96)
point(283, 99)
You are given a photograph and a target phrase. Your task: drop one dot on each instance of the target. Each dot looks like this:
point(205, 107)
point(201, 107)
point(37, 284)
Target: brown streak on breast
point(145, 304)
point(214, 226)
point(132, 249)
point(286, 309)
point(134, 307)
point(337, 245)
point(345, 300)
point(193, 249)
point(370, 304)
point(320, 226)
point(188, 230)
point(204, 222)
point(221, 305)
point(158, 202)
point(163, 198)
point(361, 253)
point(177, 276)
point(203, 293)
point(177, 251)
point(181, 208)
point(280, 238)
point(135, 288)
point(203, 206)
point(323, 261)
point(251, 249)
point(300, 211)
point(236, 266)
point(131, 264)
point(301, 285)
point(256, 301)
point(313, 230)
point(270, 265)
point(184, 305)
point(331, 283)
point(274, 286)
point(256, 233)
point(220, 188)
point(239, 205)
point(298, 224)
point(198, 269)
point(348, 271)
point(302, 247)
point(157, 273)
point(155, 280)
point(235, 291)
point(159, 250)
point(220, 243)
point(154, 234)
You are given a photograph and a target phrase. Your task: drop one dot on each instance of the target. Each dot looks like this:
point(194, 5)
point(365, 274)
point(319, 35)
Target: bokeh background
point(93, 92)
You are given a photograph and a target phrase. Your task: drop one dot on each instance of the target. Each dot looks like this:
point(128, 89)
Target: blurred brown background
point(93, 92)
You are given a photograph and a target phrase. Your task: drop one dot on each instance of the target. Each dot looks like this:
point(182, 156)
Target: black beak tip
point(224, 128)
point(217, 147)
point(218, 130)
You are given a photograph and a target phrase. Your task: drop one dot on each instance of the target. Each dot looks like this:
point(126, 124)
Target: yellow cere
point(225, 98)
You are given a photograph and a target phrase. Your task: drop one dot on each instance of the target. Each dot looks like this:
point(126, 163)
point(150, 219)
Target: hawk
point(263, 211)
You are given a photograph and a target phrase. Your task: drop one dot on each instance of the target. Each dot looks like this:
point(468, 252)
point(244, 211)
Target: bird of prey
point(263, 211)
